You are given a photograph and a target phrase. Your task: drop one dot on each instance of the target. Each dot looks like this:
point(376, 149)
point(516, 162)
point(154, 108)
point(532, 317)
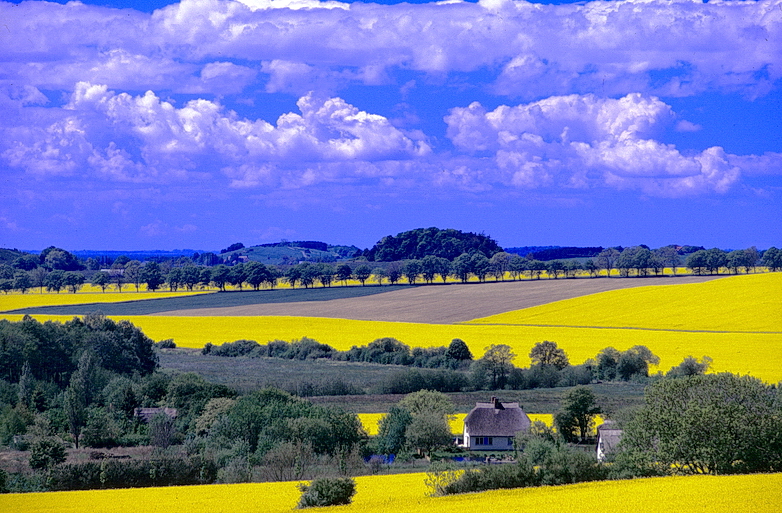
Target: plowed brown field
point(444, 304)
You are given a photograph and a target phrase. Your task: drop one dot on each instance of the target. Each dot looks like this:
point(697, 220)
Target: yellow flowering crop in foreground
point(751, 302)
point(371, 421)
point(741, 353)
point(404, 493)
point(32, 300)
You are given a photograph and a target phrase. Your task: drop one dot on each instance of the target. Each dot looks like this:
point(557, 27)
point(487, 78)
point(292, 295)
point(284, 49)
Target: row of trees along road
point(185, 274)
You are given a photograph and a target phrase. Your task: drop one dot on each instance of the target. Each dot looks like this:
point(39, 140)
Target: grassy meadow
point(402, 493)
point(744, 303)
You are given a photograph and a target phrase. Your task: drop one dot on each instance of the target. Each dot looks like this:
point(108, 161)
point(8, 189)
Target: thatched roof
point(496, 419)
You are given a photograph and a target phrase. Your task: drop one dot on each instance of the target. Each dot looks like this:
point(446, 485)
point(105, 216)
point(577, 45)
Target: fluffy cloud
point(144, 138)
point(671, 48)
point(583, 140)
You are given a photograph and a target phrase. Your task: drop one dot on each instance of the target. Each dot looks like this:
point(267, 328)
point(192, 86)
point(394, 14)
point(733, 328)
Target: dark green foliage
point(458, 350)
point(493, 477)
point(412, 380)
point(52, 349)
point(712, 424)
point(327, 492)
point(421, 242)
point(189, 393)
point(576, 418)
point(3, 481)
point(101, 429)
point(270, 416)
point(45, 453)
point(391, 430)
point(166, 344)
point(133, 473)
point(690, 366)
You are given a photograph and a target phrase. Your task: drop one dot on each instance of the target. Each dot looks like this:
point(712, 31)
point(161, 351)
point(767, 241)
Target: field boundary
point(639, 328)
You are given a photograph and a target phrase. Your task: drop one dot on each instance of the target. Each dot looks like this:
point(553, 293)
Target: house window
point(484, 440)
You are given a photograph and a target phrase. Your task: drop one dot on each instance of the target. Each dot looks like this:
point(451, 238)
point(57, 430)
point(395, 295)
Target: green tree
point(219, 275)
point(696, 262)
point(428, 401)
point(458, 350)
point(427, 432)
point(362, 273)
point(576, 418)
point(461, 267)
point(690, 366)
point(101, 279)
point(498, 360)
point(412, 270)
point(606, 259)
point(635, 362)
point(22, 281)
point(391, 430)
point(772, 258)
point(38, 278)
point(73, 280)
point(133, 273)
point(152, 276)
point(54, 281)
point(707, 424)
point(45, 453)
point(555, 268)
point(343, 273)
point(481, 267)
point(547, 353)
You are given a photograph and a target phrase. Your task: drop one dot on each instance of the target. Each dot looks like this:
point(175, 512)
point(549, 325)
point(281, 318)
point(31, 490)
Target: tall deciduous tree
point(576, 417)
point(498, 360)
point(548, 353)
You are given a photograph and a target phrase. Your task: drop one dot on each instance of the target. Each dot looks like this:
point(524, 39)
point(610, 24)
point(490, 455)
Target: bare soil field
point(444, 304)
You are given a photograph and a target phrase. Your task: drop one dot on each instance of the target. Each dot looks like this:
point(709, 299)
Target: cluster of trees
point(80, 383)
point(422, 242)
point(459, 371)
point(387, 350)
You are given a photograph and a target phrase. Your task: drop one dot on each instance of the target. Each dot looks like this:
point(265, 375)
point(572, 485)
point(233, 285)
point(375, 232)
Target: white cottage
point(608, 437)
point(492, 426)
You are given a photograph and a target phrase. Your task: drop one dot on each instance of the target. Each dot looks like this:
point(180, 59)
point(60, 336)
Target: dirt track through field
point(444, 304)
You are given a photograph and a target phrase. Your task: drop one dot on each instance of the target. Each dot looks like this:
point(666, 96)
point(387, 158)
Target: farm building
point(608, 437)
point(146, 414)
point(492, 426)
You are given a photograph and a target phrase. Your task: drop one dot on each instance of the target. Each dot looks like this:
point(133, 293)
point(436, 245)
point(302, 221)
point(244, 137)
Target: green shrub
point(46, 453)
point(327, 492)
point(92, 475)
point(493, 477)
point(3, 481)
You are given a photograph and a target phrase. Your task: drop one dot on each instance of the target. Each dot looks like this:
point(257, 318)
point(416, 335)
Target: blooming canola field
point(403, 493)
point(744, 303)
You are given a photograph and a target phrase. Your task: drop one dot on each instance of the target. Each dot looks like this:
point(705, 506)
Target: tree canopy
point(422, 242)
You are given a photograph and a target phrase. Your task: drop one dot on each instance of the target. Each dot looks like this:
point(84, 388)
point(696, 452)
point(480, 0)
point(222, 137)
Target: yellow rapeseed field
point(750, 303)
point(370, 421)
point(402, 493)
point(742, 353)
point(32, 300)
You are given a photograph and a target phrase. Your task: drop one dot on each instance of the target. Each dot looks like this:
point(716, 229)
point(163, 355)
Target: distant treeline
point(457, 370)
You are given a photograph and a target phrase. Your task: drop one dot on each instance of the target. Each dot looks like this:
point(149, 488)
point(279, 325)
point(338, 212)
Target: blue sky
point(141, 125)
